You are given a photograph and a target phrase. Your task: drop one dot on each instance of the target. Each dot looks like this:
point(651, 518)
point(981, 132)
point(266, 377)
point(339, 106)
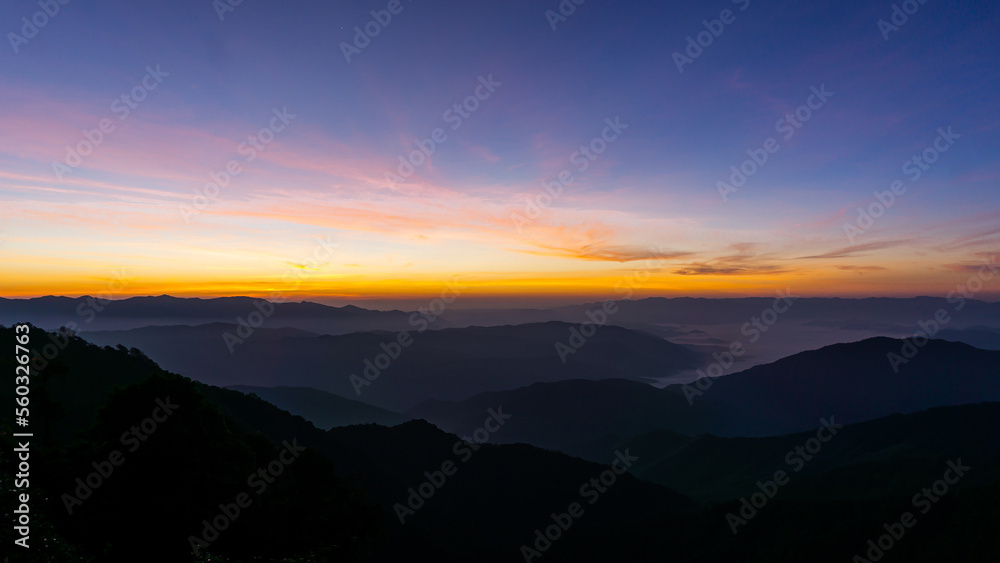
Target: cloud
point(745, 262)
point(706, 269)
point(482, 152)
point(967, 268)
point(608, 253)
point(986, 255)
point(984, 237)
point(859, 269)
point(307, 267)
point(848, 251)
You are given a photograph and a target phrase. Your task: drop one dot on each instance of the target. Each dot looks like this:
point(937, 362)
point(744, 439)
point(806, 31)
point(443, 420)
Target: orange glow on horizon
point(588, 286)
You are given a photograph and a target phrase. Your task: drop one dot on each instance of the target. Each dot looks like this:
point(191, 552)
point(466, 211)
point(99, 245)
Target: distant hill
point(438, 364)
point(323, 409)
point(849, 314)
point(164, 310)
point(338, 501)
point(889, 315)
point(987, 338)
point(705, 325)
point(854, 382)
point(561, 414)
point(200, 454)
point(886, 456)
point(706, 311)
point(128, 460)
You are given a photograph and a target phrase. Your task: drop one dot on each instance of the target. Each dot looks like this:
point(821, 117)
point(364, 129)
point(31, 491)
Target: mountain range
point(436, 364)
point(341, 500)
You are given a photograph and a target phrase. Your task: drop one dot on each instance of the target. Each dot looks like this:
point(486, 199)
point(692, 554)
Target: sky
point(530, 151)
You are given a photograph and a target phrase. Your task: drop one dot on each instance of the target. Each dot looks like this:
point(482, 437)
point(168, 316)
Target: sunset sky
point(128, 209)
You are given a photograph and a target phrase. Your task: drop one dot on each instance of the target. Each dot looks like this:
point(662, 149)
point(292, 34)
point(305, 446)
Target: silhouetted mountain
point(837, 500)
point(500, 494)
point(712, 325)
point(888, 316)
point(704, 311)
point(561, 414)
point(437, 364)
point(987, 338)
point(854, 382)
point(323, 409)
point(115, 437)
point(342, 497)
point(90, 313)
point(886, 456)
point(857, 382)
point(200, 453)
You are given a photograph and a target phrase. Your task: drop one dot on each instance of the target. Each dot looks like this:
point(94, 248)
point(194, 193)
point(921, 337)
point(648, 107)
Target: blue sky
point(654, 186)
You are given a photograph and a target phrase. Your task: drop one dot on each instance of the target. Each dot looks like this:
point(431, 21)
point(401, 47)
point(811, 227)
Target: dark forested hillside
point(173, 470)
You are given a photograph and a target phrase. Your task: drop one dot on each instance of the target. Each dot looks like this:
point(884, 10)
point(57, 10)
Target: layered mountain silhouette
point(97, 313)
point(984, 337)
point(339, 499)
point(902, 313)
point(561, 414)
point(437, 364)
point(323, 409)
point(858, 381)
point(854, 382)
point(860, 461)
point(665, 316)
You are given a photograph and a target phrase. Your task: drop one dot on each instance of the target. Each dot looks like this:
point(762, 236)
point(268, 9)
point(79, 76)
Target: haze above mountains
point(341, 366)
point(704, 325)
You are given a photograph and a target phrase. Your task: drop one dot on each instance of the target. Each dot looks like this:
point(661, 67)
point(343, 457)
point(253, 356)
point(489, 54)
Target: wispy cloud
point(859, 269)
point(859, 249)
point(608, 253)
point(745, 262)
point(715, 269)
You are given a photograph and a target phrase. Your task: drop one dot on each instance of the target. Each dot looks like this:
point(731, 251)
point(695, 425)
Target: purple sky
point(477, 207)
